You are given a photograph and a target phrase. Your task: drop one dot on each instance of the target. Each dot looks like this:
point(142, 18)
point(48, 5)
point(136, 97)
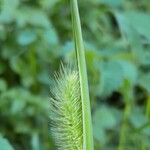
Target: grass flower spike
point(66, 110)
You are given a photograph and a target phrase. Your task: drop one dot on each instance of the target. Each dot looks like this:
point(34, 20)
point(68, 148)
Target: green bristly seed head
point(66, 110)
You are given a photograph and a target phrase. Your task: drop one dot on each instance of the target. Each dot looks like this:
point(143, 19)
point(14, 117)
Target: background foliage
point(35, 35)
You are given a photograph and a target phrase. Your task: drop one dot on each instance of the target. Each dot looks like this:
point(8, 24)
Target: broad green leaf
point(111, 76)
point(34, 17)
point(145, 81)
point(8, 14)
point(140, 122)
point(140, 21)
point(114, 3)
point(35, 141)
point(26, 37)
point(48, 4)
point(2, 32)
point(113, 73)
point(137, 118)
point(50, 36)
point(104, 118)
point(4, 144)
point(145, 58)
point(3, 85)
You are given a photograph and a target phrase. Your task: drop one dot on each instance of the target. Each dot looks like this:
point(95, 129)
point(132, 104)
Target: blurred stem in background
point(127, 91)
point(147, 113)
point(148, 106)
point(33, 67)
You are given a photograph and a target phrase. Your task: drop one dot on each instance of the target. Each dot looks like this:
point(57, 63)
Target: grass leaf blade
point(80, 54)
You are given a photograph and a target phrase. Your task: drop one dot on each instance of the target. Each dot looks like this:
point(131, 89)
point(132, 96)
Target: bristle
point(66, 110)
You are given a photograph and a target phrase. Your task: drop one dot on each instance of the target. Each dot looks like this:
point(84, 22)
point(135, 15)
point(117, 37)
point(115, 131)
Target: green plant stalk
point(127, 96)
point(148, 106)
point(147, 113)
point(124, 126)
point(80, 54)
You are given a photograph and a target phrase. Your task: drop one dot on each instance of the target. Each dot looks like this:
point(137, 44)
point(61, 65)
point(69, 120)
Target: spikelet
point(66, 110)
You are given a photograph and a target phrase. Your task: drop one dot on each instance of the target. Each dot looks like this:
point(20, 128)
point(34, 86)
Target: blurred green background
point(35, 36)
